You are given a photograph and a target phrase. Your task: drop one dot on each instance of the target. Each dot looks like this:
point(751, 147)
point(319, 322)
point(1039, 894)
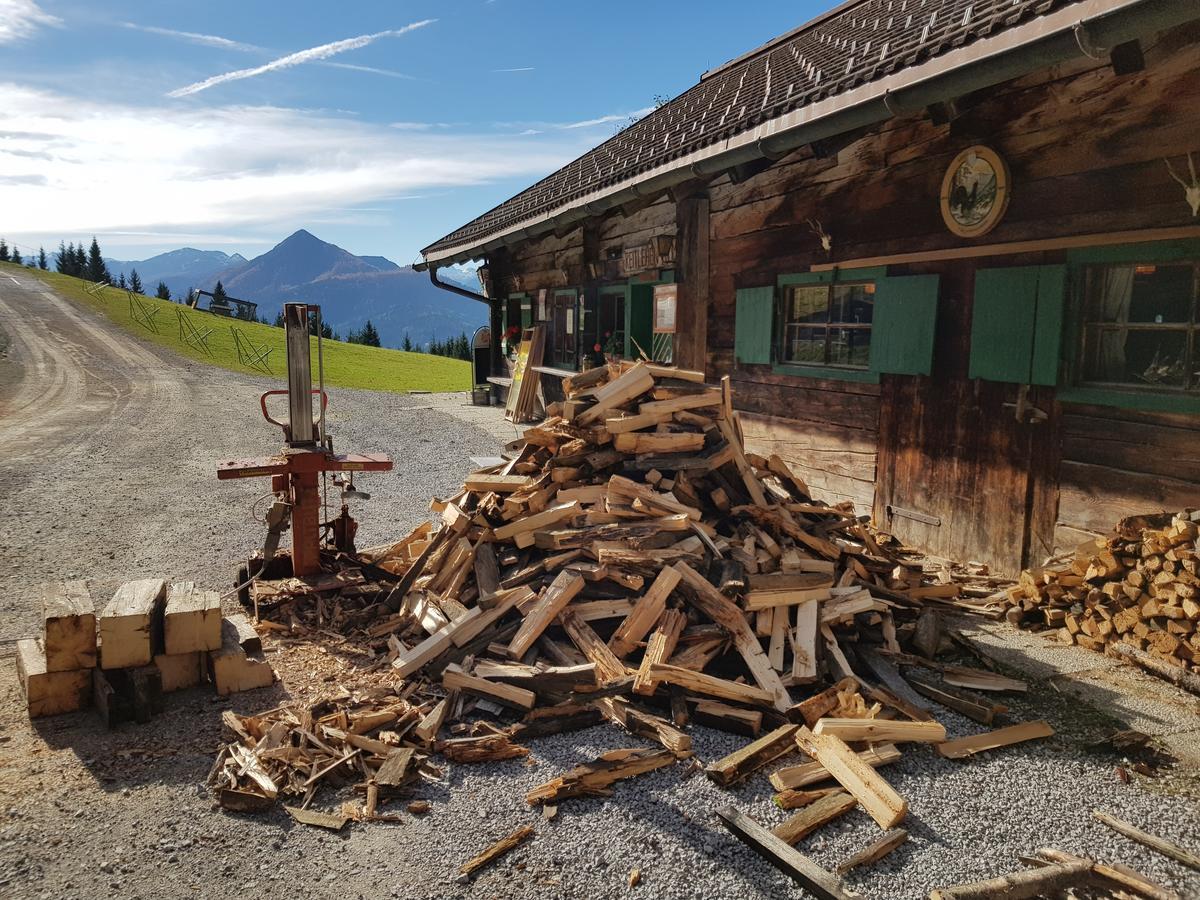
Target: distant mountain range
point(349, 288)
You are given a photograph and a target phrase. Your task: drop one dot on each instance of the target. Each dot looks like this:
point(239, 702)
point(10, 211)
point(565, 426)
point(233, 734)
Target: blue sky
point(378, 126)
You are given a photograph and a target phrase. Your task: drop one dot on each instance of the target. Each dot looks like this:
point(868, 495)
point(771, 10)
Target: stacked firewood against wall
point(632, 564)
point(1134, 594)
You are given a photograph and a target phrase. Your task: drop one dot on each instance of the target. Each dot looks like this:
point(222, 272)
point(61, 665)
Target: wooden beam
point(648, 609)
point(1182, 232)
point(813, 816)
point(710, 685)
point(730, 617)
point(878, 798)
point(990, 740)
point(874, 851)
point(753, 756)
point(876, 730)
point(788, 860)
point(794, 777)
point(553, 600)
point(1154, 842)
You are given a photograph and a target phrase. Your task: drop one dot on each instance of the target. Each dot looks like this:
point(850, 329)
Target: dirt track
point(107, 451)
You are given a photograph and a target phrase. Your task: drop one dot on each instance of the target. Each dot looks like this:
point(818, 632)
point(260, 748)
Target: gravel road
point(107, 449)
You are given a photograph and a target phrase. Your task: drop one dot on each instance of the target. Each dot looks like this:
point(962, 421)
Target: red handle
point(262, 401)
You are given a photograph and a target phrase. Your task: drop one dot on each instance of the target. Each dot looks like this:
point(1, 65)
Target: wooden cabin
point(947, 250)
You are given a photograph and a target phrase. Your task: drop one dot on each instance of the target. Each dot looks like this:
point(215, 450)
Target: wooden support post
point(692, 273)
point(788, 860)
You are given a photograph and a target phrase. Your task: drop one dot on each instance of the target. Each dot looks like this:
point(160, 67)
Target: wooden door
point(641, 319)
point(959, 476)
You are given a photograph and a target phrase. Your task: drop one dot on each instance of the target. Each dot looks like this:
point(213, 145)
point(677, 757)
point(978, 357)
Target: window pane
point(804, 344)
point(1150, 294)
point(852, 303)
point(1161, 294)
point(849, 346)
point(1128, 356)
point(809, 304)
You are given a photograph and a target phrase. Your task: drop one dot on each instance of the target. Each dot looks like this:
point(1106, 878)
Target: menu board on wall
point(664, 308)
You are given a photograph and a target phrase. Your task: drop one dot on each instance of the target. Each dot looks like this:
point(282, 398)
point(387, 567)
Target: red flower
point(597, 348)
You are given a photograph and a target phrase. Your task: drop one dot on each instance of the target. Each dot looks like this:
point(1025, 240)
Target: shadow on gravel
point(176, 747)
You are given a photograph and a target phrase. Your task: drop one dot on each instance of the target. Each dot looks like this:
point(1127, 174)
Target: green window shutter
point(1048, 327)
point(903, 324)
point(1016, 324)
point(526, 313)
point(754, 314)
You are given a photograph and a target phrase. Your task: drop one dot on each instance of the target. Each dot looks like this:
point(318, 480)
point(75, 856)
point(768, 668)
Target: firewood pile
point(1135, 594)
point(633, 564)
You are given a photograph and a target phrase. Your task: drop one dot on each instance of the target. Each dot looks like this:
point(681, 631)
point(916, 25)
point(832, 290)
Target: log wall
point(1085, 148)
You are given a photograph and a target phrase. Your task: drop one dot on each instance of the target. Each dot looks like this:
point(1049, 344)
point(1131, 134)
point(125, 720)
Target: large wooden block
point(180, 670)
point(50, 693)
point(191, 620)
point(131, 624)
point(69, 638)
point(233, 670)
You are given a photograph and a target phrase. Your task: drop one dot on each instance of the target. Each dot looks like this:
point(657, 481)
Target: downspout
point(493, 318)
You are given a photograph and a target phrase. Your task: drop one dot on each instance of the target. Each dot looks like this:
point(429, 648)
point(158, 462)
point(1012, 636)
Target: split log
point(1001, 737)
point(1019, 885)
point(497, 850)
point(131, 624)
point(874, 851)
point(69, 636)
point(813, 816)
point(877, 797)
point(595, 777)
point(792, 777)
point(753, 756)
point(875, 730)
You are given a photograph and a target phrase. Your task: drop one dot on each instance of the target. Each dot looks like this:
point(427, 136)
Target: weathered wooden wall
point(1085, 148)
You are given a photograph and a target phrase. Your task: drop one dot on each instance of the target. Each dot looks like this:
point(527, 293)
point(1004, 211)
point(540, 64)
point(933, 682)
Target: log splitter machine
point(298, 470)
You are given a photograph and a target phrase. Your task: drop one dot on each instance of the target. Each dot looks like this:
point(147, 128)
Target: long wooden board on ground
point(69, 638)
point(990, 740)
point(787, 859)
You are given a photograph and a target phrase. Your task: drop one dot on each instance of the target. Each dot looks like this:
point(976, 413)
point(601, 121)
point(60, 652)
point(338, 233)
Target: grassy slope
point(346, 365)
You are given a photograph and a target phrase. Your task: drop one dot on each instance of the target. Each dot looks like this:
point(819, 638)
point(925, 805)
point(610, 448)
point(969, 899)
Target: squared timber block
point(233, 669)
point(179, 670)
point(69, 638)
point(131, 624)
point(191, 619)
point(237, 628)
point(49, 693)
point(145, 691)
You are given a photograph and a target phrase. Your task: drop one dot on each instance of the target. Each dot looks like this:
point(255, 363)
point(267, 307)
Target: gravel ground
point(109, 475)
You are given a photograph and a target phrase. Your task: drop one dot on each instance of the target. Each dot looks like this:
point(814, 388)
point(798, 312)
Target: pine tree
point(121, 282)
point(96, 269)
point(4, 257)
point(219, 297)
point(16, 256)
point(43, 263)
point(407, 345)
point(163, 292)
point(61, 260)
point(135, 281)
point(81, 263)
point(279, 321)
point(370, 336)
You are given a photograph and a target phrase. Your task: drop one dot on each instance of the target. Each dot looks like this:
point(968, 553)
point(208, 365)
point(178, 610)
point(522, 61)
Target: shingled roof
point(857, 43)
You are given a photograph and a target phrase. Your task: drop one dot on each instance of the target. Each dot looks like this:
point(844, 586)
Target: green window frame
point(1148, 397)
point(902, 327)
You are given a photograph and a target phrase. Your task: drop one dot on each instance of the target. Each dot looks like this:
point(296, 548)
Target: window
point(828, 324)
point(1140, 326)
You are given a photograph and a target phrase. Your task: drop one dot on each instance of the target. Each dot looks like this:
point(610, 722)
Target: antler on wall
point(1190, 191)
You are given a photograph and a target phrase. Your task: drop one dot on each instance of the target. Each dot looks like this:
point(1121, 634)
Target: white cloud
point(204, 40)
point(371, 69)
point(605, 120)
point(19, 19)
point(517, 69)
point(312, 54)
point(73, 166)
